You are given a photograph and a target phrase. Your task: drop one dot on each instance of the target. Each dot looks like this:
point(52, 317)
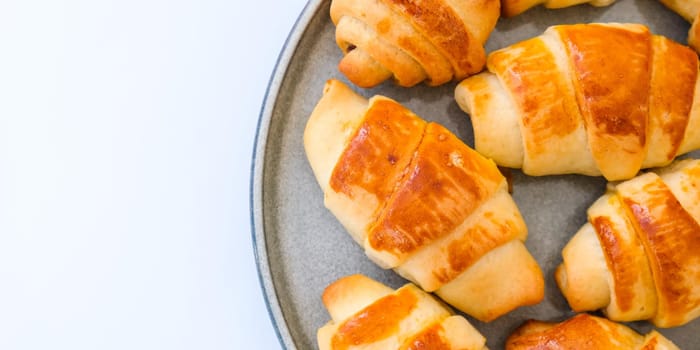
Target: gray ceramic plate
point(301, 248)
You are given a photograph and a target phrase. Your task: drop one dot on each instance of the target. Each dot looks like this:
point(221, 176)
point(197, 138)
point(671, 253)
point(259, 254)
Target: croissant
point(412, 41)
point(369, 315)
point(510, 8)
point(590, 99)
point(584, 331)
point(421, 202)
point(690, 10)
point(638, 257)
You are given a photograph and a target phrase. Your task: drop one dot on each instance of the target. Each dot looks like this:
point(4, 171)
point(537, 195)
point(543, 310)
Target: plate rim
point(281, 325)
point(257, 170)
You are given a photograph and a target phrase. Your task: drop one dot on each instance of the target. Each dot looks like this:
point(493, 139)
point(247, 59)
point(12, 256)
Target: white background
point(126, 131)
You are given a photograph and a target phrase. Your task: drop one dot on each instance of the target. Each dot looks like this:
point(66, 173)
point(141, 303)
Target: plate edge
point(257, 170)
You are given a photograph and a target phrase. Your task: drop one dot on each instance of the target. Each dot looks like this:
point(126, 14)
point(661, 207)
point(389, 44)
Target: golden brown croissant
point(690, 10)
point(511, 8)
point(591, 99)
point(366, 314)
point(412, 41)
point(638, 257)
point(584, 331)
point(420, 201)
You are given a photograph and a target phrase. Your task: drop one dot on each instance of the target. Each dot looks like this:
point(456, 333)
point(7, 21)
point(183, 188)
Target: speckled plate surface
point(301, 248)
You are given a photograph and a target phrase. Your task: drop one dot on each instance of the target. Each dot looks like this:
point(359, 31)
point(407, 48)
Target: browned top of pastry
point(672, 241)
point(432, 338)
point(412, 40)
point(444, 184)
point(675, 70)
point(611, 67)
point(577, 333)
point(623, 265)
point(476, 241)
point(538, 88)
point(377, 321)
point(368, 314)
point(439, 22)
point(378, 154)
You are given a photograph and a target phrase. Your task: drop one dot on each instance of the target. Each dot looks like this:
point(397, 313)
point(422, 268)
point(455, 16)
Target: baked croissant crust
point(690, 10)
point(369, 315)
point(638, 257)
point(412, 41)
point(593, 99)
point(510, 8)
point(584, 331)
point(421, 202)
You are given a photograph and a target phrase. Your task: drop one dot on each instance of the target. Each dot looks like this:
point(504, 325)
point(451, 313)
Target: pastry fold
point(638, 257)
point(584, 331)
point(421, 202)
point(592, 99)
point(366, 314)
point(412, 41)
